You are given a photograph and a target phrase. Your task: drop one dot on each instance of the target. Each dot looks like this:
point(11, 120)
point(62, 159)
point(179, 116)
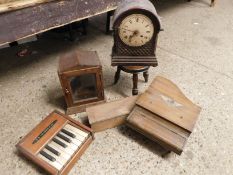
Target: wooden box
point(164, 114)
point(80, 74)
point(111, 114)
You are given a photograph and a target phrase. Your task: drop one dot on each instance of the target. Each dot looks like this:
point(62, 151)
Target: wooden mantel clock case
point(80, 74)
point(136, 26)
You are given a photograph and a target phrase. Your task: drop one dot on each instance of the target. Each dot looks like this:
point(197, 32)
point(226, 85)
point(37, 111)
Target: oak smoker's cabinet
point(80, 74)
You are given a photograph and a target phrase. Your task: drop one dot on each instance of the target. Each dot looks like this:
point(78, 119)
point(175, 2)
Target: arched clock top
point(136, 26)
point(136, 7)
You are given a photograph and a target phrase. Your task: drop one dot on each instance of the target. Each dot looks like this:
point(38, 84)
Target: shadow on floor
point(56, 98)
point(142, 140)
point(30, 163)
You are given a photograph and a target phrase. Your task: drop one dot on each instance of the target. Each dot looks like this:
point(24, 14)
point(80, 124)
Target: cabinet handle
point(67, 91)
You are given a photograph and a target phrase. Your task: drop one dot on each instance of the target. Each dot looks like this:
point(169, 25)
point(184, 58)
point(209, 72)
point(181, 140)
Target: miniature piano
point(56, 143)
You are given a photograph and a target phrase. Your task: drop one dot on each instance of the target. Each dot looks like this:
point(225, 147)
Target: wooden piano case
point(41, 135)
point(165, 115)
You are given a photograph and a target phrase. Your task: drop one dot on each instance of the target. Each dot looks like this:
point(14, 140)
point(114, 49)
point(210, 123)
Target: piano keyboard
point(56, 143)
point(61, 148)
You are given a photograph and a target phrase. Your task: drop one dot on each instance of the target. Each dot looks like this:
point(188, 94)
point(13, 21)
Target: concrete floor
point(195, 51)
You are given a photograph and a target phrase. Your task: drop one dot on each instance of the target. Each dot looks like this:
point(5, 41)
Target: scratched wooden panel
point(29, 21)
point(10, 5)
point(8, 1)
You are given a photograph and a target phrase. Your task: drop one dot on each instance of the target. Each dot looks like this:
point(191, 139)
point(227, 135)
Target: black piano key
point(68, 133)
point(51, 158)
point(60, 143)
point(64, 138)
point(52, 150)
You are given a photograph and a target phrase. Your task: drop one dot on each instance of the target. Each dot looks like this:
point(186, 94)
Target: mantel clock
point(136, 26)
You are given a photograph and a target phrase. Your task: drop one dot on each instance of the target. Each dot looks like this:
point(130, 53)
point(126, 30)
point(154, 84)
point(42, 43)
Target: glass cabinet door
point(83, 87)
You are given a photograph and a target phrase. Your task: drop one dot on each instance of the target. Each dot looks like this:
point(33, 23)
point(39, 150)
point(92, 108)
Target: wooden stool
point(135, 70)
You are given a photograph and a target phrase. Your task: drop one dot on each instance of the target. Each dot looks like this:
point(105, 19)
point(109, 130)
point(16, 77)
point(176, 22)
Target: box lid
point(166, 100)
point(165, 115)
point(77, 59)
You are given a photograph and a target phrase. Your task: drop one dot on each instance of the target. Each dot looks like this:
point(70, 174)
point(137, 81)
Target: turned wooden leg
point(84, 26)
point(109, 14)
point(212, 3)
point(117, 75)
point(135, 84)
point(146, 76)
point(165, 153)
point(15, 43)
point(71, 33)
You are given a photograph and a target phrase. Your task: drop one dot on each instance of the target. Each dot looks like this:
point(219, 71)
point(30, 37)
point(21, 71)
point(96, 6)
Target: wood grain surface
point(40, 18)
point(164, 115)
point(167, 134)
point(10, 5)
point(111, 114)
point(165, 99)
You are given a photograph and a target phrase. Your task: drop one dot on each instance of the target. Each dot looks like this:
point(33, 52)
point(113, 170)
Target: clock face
point(136, 30)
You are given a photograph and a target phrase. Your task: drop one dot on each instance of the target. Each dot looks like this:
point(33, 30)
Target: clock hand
point(126, 29)
point(130, 38)
point(135, 33)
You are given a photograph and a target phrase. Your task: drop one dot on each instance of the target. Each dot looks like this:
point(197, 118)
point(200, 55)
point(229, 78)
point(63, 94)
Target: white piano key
point(59, 159)
point(77, 136)
point(79, 131)
point(74, 140)
point(66, 150)
point(65, 155)
point(54, 164)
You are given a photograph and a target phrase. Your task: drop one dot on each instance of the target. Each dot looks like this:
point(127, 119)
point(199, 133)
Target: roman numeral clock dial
point(136, 30)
